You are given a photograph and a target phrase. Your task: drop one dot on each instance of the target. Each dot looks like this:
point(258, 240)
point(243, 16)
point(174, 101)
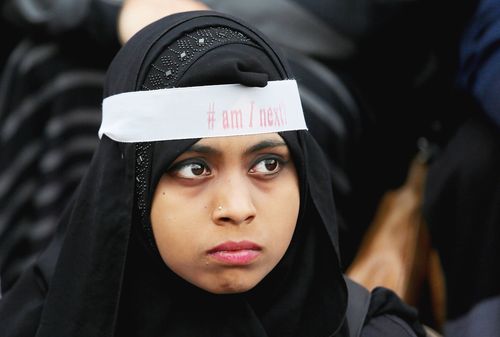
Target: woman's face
point(224, 214)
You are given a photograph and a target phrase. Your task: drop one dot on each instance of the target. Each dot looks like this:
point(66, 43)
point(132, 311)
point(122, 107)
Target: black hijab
point(109, 279)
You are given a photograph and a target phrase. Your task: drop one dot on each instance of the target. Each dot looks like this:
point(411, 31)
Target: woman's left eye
point(267, 166)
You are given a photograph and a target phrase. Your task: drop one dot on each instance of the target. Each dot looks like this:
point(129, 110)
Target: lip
point(235, 253)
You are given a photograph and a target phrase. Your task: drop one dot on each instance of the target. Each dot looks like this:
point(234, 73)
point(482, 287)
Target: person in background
point(462, 202)
point(50, 96)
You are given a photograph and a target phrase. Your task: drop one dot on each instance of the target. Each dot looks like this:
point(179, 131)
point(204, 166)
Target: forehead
point(242, 143)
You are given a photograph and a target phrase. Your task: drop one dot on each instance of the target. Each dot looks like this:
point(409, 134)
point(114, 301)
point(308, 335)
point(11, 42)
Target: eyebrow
point(265, 144)
point(203, 149)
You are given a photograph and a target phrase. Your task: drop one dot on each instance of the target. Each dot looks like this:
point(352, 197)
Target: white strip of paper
point(201, 112)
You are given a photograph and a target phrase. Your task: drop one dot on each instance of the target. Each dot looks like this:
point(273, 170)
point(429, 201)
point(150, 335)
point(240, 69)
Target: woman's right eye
point(191, 170)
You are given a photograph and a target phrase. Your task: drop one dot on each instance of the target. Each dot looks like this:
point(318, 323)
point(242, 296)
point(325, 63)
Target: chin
point(229, 287)
point(227, 290)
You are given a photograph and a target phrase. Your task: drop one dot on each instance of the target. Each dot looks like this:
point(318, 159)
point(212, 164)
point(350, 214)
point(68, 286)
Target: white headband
point(201, 112)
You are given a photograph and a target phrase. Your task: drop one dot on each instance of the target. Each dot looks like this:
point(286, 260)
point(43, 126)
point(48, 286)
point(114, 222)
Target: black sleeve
point(387, 326)
point(389, 316)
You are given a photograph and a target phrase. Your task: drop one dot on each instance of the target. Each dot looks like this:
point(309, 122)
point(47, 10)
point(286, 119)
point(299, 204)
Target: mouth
point(235, 253)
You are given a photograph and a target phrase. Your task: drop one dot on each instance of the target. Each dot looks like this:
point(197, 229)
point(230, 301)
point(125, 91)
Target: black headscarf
point(109, 279)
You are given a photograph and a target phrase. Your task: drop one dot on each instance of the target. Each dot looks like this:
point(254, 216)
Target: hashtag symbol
point(211, 116)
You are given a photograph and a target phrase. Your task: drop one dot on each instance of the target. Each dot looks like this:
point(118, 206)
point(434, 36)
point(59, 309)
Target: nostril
point(234, 220)
point(250, 218)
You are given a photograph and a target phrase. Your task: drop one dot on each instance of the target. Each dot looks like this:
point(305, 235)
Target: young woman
point(206, 210)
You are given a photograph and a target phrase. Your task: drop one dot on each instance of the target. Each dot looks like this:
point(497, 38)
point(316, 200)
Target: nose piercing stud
point(219, 208)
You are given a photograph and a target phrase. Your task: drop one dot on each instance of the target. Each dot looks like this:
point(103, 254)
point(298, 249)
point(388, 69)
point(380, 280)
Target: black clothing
point(109, 279)
point(463, 187)
point(462, 208)
point(50, 97)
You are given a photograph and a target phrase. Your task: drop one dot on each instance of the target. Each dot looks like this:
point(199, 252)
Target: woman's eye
point(267, 166)
point(191, 170)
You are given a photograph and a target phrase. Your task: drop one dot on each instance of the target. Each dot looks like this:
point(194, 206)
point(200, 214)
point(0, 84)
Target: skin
point(136, 14)
point(254, 180)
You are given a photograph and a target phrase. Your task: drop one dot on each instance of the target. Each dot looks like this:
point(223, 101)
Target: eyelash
point(279, 162)
point(178, 167)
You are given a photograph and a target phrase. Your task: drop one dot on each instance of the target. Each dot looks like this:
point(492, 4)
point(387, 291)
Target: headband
point(202, 112)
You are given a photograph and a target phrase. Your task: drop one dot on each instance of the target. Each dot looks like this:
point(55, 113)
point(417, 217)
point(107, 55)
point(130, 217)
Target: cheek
point(180, 239)
point(281, 210)
point(173, 225)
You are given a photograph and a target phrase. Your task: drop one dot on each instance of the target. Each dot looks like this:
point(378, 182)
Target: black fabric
point(50, 99)
point(379, 313)
point(357, 19)
point(66, 20)
point(387, 326)
point(358, 304)
point(462, 209)
point(385, 305)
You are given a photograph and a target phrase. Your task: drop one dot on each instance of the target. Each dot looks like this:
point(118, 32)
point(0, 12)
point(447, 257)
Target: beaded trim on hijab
point(164, 72)
point(176, 58)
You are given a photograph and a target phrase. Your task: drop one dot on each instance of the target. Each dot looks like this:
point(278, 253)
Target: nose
point(233, 203)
